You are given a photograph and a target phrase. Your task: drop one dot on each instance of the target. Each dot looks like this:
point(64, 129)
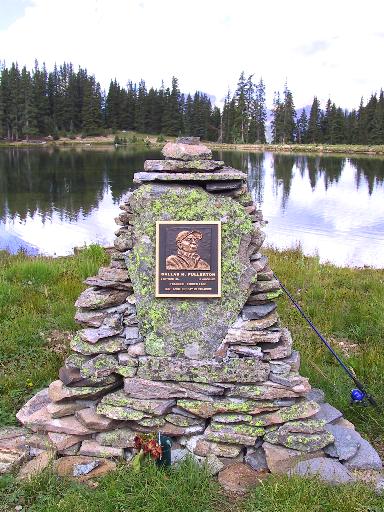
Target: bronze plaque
point(188, 259)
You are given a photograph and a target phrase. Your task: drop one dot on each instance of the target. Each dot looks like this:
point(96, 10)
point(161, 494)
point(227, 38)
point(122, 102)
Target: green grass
point(36, 307)
point(37, 298)
point(283, 494)
point(186, 488)
point(342, 149)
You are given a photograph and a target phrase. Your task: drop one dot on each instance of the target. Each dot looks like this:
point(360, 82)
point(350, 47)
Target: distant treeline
point(66, 102)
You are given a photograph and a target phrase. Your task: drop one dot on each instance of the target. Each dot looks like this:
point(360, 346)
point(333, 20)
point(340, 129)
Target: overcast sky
point(328, 48)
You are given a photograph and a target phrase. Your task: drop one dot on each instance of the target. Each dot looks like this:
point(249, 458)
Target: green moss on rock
point(168, 324)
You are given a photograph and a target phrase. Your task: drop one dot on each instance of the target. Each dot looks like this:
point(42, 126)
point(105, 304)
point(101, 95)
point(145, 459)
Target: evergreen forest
point(65, 102)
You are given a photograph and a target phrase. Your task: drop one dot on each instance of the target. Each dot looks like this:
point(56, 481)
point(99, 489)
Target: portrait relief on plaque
point(188, 259)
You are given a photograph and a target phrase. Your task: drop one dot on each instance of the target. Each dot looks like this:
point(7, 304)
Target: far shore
point(155, 141)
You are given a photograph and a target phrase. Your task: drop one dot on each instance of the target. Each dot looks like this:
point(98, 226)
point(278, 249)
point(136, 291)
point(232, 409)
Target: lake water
point(52, 200)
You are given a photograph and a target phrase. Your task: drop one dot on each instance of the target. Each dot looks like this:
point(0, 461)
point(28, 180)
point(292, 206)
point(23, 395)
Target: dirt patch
point(345, 346)
point(58, 341)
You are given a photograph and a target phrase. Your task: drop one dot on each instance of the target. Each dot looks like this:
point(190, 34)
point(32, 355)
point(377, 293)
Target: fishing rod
point(357, 395)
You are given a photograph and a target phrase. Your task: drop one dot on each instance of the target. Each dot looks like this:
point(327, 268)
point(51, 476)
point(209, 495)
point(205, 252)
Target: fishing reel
point(359, 397)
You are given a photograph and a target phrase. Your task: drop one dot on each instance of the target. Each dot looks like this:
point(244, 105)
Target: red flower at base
point(148, 445)
point(138, 442)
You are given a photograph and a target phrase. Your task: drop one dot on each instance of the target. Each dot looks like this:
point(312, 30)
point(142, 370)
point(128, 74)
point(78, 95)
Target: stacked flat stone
point(218, 375)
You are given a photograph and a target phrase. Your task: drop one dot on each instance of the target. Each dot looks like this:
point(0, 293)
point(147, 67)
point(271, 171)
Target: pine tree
point(277, 119)
point(91, 108)
point(314, 126)
point(289, 117)
point(377, 126)
point(40, 95)
point(112, 106)
point(240, 125)
point(28, 122)
point(302, 128)
point(284, 118)
point(259, 112)
point(141, 108)
point(172, 116)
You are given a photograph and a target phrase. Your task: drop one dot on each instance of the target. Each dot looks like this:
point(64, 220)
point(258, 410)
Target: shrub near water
point(37, 298)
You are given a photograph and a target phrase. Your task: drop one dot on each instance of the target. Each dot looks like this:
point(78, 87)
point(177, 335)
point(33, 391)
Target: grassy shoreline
point(37, 298)
point(150, 140)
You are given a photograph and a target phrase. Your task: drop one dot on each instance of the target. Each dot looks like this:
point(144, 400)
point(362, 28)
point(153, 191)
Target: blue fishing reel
point(358, 396)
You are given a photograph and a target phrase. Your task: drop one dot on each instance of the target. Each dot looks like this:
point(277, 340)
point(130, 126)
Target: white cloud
point(206, 44)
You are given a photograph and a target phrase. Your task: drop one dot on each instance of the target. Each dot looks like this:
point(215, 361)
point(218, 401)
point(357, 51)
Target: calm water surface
point(52, 200)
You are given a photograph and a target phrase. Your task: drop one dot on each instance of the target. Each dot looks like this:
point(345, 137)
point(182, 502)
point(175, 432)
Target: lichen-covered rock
point(58, 392)
point(94, 449)
point(203, 448)
point(62, 442)
point(266, 391)
point(100, 366)
point(245, 351)
point(182, 165)
point(282, 349)
point(96, 318)
point(218, 186)
point(123, 242)
point(294, 412)
point(257, 312)
point(92, 298)
point(226, 405)
point(289, 436)
point(60, 409)
point(183, 421)
point(186, 152)
point(226, 174)
point(269, 320)
point(92, 335)
point(41, 421)
point(119, 438)
point(155, 422)
point(72, 377)
point(205, 371)
point(232, 418)
point(105, 346)
point(121, 413)
point(263, 286)
point(149, 389)
point(152, 407)
point(89, 418)
point(191, 326)
point(102, 283)
point(232, 437)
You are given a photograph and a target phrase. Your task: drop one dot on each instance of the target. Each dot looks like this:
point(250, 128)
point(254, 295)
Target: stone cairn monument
point(180, 335)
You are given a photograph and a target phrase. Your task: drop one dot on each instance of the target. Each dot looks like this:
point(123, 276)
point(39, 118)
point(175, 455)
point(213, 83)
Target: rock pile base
point(218, 376)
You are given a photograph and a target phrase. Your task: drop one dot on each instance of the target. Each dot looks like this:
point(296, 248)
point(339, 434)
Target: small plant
point(147, 446)
point(160, 138)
